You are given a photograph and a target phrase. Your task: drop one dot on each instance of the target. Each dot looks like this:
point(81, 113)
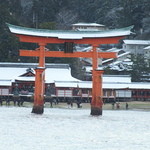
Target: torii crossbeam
point(43, 37)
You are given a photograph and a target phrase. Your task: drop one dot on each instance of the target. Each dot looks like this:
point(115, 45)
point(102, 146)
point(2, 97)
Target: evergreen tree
point(63, 13)
point(8, 43)
point(139, 67)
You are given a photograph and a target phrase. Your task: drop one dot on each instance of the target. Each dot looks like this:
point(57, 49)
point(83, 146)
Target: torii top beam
point(61, 36)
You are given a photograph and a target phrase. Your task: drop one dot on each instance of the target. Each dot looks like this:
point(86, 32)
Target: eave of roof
point(69, 34)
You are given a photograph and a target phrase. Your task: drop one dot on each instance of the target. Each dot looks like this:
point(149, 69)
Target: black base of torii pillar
point(96, 111)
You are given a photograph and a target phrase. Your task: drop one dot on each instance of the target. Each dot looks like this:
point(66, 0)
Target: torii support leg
point(97, 93)
point(38, 107)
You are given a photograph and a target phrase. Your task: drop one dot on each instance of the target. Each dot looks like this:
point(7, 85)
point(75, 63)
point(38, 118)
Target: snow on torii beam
point(43, 37)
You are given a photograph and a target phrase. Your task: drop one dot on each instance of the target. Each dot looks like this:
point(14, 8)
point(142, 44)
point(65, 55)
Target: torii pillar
point(43, 37)
point(38, 106)
point(97, 91)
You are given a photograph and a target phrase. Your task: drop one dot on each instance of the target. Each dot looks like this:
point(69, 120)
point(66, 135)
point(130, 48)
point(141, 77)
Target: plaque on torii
point(43, 37)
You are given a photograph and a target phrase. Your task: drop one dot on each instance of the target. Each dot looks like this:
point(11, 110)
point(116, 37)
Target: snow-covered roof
point(62, 78)
point(114, 50)
point(116, 79)
point(139, 85)
point(51, 74)
point(86, 49)
point(5, 82)
point(25, 78)
point(71, 84)
point(115, 85)
point(69, 34)
point(85, 84)
point(32, 65)
point(107, 60)
point(88, 68)
point(88, 24)
point(127, 60)
point(10, 73)
point(115, 63)
point(123, 54)
point(88, 29)
point(147, 48)
point(111, 85)
point(137, 42)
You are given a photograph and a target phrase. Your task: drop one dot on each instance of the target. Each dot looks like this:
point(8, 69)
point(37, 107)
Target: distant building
point(88, 26)
point(136, 46)
point(121, 63)
point(147, 51)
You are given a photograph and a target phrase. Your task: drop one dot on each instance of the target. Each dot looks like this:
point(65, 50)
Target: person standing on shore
point(113, 105)
point(127, 106)
point(118, 105)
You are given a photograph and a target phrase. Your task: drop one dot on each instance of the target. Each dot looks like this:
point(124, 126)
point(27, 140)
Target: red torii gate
point(43, 37)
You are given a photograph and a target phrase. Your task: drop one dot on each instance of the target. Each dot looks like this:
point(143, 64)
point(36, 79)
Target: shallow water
point(73, 129)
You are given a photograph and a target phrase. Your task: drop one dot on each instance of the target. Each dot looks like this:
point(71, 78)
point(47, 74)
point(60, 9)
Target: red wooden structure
point(43, 37)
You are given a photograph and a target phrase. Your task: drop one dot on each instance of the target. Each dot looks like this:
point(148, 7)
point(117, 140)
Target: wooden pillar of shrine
point(38, 106)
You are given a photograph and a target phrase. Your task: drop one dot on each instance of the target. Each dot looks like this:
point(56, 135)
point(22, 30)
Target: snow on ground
point(73, 129)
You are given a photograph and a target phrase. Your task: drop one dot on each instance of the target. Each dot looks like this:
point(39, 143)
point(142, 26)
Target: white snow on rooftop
point(51, 74)
point(5, 82)
point(105, 85)
point(25, 78)
point(116, 79)
point(88, 24)
point(140, 85)
point(86, 84)
point(9, 73)
point(63, 78)
point(107, 60)
point(115, 63)
point(147, 48)
point(137, 42)
point(88, 29)
point(114, 50)
point(123, 54)
point(66, 84)
point(115, 86)
point(127, 60)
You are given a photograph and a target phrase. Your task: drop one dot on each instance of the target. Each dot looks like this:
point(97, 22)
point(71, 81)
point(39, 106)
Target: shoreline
point(132, 105)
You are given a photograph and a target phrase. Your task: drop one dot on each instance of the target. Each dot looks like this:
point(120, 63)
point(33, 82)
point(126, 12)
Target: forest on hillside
point(61, 14)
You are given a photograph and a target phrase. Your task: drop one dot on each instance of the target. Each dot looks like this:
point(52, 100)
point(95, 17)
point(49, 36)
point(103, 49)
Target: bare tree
point(65, 18)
